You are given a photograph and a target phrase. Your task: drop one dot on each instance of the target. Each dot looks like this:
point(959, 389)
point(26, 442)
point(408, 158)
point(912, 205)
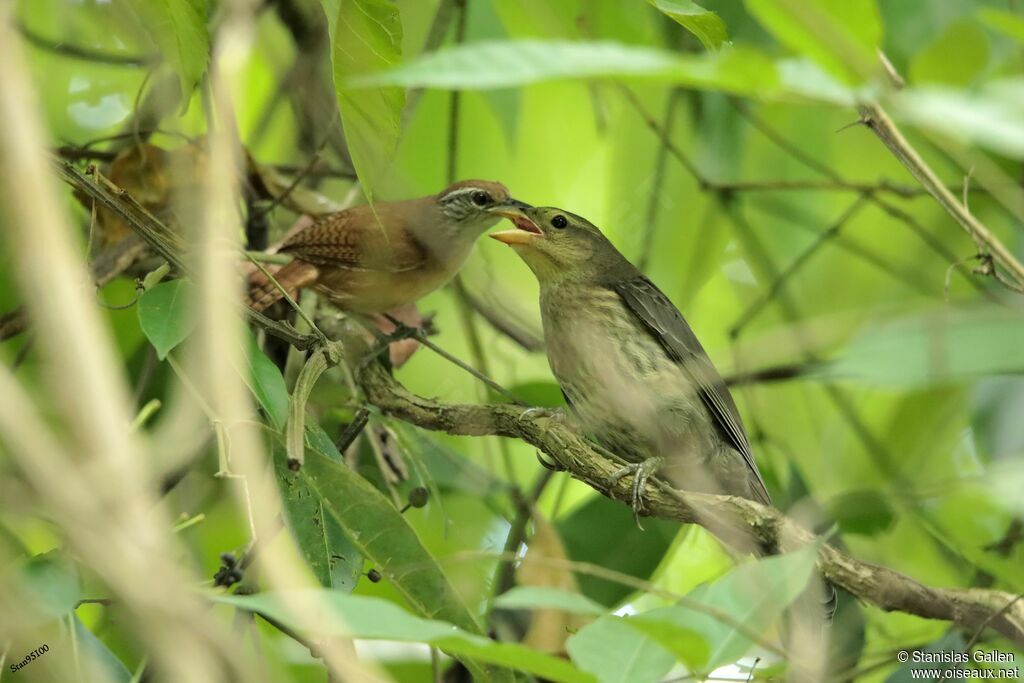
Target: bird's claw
point(641, 472)
point(549, 464)
point(550, 413)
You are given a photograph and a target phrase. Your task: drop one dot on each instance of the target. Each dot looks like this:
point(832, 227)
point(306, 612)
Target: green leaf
point(753, 594)
point(862, 512)
point(104, 664)
point(178, 27)
point(377, 619)
point(967, 41)
point(1004, 21)
point(705, 24)
point(52, 581)
point(484, 65)
point(366, 35)
point(603, 532)
point(267, 384)
point(540, 597)
point(991, 117)
point(333, 558)
point(615, 652)
point(840, 35)
point(383, 537)
point(164, 315)
point(939, 346)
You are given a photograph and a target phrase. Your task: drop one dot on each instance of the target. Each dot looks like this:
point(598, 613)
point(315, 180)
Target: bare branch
point(887, 589)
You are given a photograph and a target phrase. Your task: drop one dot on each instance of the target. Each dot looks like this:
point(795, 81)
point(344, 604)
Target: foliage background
point(799, 242)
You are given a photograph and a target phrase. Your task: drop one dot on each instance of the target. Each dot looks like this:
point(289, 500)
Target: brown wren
point(375, 258)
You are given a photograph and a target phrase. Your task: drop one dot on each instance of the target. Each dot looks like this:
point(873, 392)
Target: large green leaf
point(705, 24)
point(377, 619)
point(333, 558)
point(753, 594)
point(603, 532)
point(939, 346)
point(164, 315)
point(178, 27)
point(484, 65)
point(366, 35)
point(383, 537)
point(840, 35)
point(615, 652)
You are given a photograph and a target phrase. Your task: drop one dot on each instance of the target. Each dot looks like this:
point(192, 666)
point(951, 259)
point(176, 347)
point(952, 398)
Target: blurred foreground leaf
point(542, 597)
point(754, 594)
point(840, 35)
point(991, 117)
point(485, 65)
point(615, 652)
point(377, 619)
point(936, 346)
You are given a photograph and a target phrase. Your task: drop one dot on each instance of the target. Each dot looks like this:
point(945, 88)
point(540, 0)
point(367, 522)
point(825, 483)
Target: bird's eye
point(480, 198)
point(559, 221)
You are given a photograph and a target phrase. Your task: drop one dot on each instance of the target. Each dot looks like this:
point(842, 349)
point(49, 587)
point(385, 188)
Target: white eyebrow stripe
point(464, 190)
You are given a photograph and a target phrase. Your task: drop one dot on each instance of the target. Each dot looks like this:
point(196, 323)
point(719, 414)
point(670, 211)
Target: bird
point(634, 375)
point(372, 259)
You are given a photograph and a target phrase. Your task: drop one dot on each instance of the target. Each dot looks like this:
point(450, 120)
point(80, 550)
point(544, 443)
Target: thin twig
point(84, 53)
point(878, 121)
point(769, 294)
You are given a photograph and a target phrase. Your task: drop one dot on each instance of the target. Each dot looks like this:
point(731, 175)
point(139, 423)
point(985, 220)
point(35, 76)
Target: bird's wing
point(359, 239)
point(667, 325)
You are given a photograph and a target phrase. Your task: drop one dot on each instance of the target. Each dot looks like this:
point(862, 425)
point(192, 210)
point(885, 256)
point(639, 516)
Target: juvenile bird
point(631, 369)
point(373, 259)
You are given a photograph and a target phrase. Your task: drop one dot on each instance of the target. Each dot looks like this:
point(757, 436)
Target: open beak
point(526, 230)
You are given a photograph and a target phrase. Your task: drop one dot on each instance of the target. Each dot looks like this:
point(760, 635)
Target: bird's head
point(472, 206)
point(559, 245)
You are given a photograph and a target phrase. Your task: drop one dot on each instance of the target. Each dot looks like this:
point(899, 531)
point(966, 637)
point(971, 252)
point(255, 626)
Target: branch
point(161, 239)
point(880, 586)
point(87, 54)
point(875, 118)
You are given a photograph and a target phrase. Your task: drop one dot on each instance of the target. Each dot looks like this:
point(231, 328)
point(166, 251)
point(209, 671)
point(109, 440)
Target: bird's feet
point(550, 413)
point(641, 472)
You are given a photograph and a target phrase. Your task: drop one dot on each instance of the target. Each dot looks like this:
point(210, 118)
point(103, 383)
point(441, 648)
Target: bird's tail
point(264, 292)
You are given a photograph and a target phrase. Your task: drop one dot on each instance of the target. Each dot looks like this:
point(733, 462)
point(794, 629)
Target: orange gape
point(373, 259)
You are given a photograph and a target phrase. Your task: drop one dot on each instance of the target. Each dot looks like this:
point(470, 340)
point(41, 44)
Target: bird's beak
point(526, 230)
